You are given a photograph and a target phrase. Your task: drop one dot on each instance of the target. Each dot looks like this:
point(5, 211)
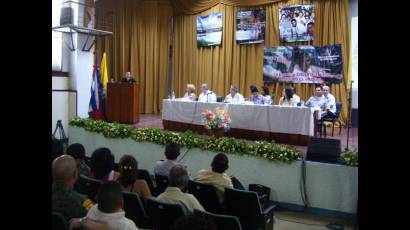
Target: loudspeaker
point(323, 150)
point(66, 16)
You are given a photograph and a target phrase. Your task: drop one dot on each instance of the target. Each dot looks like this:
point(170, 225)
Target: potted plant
point(216, 123)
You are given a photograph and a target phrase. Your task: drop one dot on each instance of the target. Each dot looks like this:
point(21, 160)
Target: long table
point(291, 125)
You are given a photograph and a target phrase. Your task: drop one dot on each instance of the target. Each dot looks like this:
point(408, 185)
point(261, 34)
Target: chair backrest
point(206, 195)
point(59, 222)
point(218, 98)
point(236, 200)
point(88, 186)
point(162, 183)
point(134, 210)
point(143, 174)
point(163, 215)
point(338, 109)
point(223, 222)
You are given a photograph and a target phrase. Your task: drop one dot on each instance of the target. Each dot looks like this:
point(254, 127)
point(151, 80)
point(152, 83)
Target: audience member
point(206, 95)
point(85, 223)
point(109, 208)
point(77, 151)
point(195, 221)
point(102, 165)
point(64, 199)
point(172, 151)
point(267, 99)
point(287, 99)
point(128, 177)
point(234, 97)
point(256, 98)
point(216, 177)
point(173, 194)
point(190, 93)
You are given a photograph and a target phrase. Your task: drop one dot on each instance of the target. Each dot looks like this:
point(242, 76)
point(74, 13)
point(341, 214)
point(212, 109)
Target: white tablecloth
point(275, 119)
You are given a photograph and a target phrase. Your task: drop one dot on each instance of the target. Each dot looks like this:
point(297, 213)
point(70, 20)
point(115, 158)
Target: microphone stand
point(349, 114)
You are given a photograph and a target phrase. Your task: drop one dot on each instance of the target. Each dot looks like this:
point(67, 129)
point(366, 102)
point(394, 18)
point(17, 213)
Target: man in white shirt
point(295, 97)
point(330, 103)
point(109, 208)
point(206, 95)
point(234, 97)
point(318, 100)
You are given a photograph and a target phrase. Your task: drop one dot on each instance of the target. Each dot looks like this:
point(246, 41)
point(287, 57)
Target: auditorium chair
point(245, 205)
point(134, 210)
point(88, 186)
point(335, 119)
point(206, 195)
point(59, 222)
point(162, 183)
point(163, 215)
point(222, 222)
point(143, 174)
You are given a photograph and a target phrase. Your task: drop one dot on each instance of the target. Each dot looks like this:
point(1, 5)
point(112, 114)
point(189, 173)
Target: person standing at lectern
point(128, 78)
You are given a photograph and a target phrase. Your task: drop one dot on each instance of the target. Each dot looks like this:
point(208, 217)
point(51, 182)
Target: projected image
point(303, 64)
point(296, 23)
point(209, 30)
point(250, 26)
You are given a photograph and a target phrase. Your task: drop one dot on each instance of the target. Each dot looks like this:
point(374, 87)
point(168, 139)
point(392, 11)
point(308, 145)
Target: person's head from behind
point(220, 163)
point(204, 88)
point(325, 90)
point(64, 170)
point(102, 162)
point(77, 151)
point(318, 91)
point(233, 90)
point(190, 88)
point(254, 90)
point(128, 167)
point(172, 151)
point(195, 221)
point(178, 177)
point(109, 197)
point(265, 90)
point(288, 93)
point(293, 22)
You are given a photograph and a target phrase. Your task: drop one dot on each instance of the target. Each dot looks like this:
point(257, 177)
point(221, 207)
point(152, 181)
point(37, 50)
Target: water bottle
point(173, 95)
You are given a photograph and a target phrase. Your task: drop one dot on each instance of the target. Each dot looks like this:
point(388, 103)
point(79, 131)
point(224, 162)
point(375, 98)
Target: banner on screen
point(250, 26)
point(296, 23)
point(209, 30)
point(303, 64)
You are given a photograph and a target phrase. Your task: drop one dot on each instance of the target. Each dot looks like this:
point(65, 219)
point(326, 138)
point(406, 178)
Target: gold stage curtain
point(140, 44)
point(230, 63)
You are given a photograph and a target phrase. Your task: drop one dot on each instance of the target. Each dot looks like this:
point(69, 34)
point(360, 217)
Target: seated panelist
point(234, 97)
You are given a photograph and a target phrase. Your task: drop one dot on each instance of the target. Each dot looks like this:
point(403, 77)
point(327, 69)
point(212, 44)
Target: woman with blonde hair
point(190, 92)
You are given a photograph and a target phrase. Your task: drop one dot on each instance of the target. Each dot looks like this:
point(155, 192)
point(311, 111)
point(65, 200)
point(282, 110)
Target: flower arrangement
point(218, 120)
point(350, 157)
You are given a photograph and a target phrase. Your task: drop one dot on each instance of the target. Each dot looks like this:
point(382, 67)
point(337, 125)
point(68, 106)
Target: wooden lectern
point(122, 103)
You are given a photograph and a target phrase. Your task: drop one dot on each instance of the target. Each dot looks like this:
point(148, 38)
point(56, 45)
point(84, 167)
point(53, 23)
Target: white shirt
point(296, 98)
point(209, 96)
point(330, 102)
point(237, 99)
point(315, 101)
point(284, 102)
point(116, 220)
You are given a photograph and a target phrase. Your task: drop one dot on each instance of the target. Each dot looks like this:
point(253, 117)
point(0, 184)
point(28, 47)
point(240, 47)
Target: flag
point(96, 93)
point(104, 81)
point(104, 71)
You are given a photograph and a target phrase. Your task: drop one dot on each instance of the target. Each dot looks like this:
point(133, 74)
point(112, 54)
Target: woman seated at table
point(267, 99)
point(287, 99)
point(190, 93)
point(256, 98)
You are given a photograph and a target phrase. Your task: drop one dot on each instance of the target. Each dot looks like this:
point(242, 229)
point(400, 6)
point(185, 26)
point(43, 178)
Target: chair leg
point(324, 128)
point(340, 127)
point(333, 127)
